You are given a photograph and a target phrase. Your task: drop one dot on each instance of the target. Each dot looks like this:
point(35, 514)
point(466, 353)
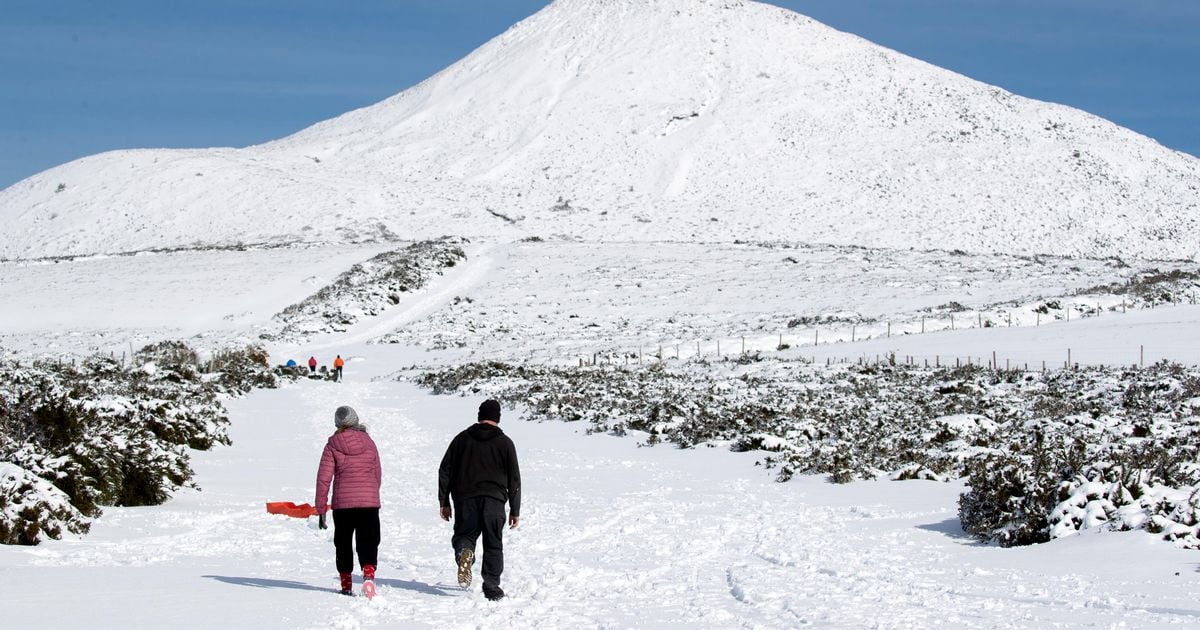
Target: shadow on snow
point(951, 527)
point(407, 585)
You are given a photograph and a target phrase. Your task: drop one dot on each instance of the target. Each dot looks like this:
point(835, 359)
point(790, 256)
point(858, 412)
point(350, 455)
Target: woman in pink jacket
point(351, 463)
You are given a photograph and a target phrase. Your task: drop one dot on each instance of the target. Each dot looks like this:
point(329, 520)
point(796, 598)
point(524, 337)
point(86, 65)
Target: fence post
point(853, 330)
point(816, 337)
point(952, 321)
point(1068, 357)
point(889, 330)
point(1142, 356)
point(922, 325)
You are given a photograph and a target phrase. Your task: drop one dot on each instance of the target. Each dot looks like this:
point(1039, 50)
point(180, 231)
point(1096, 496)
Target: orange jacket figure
point(338, 362)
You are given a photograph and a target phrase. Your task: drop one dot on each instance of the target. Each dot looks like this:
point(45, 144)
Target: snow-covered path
point(612, 535)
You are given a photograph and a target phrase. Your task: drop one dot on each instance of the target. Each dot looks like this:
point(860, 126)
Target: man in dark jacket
point(480, 472)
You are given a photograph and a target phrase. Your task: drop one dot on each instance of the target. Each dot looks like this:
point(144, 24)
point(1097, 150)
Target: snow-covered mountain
point(652, 120)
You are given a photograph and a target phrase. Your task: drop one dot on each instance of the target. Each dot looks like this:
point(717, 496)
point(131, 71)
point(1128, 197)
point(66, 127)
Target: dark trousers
point(362, 526)
point(482, 515)
point(339, 374)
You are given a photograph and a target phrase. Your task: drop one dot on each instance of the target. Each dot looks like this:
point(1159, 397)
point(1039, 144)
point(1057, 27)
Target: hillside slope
point(652, 120)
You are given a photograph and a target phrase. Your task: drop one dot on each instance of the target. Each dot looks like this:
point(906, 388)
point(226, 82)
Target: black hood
point(483, 432)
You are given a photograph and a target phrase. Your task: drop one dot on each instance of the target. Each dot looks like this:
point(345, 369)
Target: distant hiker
point(338, 363)
point(351, 462)
point(312, 365)
point(480, 471)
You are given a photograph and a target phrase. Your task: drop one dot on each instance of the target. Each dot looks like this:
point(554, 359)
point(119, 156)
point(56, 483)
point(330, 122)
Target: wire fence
point(818, 344)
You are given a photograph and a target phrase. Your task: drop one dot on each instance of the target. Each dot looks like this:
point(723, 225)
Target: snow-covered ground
point(612, 535)
point(105, 303)
point(559, 301)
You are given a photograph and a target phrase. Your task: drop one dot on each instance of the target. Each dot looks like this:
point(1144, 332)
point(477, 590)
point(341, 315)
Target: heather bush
point(74, 438)
point(1044, 454)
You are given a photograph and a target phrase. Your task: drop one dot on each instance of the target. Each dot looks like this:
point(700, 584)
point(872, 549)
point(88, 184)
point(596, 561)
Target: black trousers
point(482, 515)
point(362, 526)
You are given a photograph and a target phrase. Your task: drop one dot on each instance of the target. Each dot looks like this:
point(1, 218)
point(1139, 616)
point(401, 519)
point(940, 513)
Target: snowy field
point(558, 301)
point(104, 303)
point(612, 536)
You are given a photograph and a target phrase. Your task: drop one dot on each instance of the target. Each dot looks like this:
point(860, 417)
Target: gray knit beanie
point(344, 418)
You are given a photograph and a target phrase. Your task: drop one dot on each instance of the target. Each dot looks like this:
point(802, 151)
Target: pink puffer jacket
point(351, 463)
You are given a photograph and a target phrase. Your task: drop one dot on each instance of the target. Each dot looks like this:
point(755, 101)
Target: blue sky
point(82, 76)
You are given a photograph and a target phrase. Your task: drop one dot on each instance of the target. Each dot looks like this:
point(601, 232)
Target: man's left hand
point(513, 521)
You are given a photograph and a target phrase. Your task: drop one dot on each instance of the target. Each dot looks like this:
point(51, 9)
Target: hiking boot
point(368, 586)
point(466, 557)
point(347, 584)
point(493, 593)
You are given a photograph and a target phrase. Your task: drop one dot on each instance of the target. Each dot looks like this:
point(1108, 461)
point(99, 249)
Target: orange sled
point(287, 508)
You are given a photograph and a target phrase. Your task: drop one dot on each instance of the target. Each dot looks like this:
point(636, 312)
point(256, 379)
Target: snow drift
point(652, 120)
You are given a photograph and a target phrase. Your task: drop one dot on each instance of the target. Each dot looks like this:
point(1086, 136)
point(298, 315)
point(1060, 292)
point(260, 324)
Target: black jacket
point(481, 461)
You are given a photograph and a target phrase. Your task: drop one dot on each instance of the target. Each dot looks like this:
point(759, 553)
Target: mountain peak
point(659, 120)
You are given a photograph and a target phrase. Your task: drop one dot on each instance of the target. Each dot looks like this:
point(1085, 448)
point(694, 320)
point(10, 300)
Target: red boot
point(347, 583)
point(369, 580)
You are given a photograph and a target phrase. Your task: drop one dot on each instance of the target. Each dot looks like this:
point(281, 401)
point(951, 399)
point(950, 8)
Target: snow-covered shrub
point(369, 288)
point(1100, 449)
point(244, 369)
point(1153, 286)
point(1055, 491)
point(32, 508)
point(1045, 454)
point(74, 438)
